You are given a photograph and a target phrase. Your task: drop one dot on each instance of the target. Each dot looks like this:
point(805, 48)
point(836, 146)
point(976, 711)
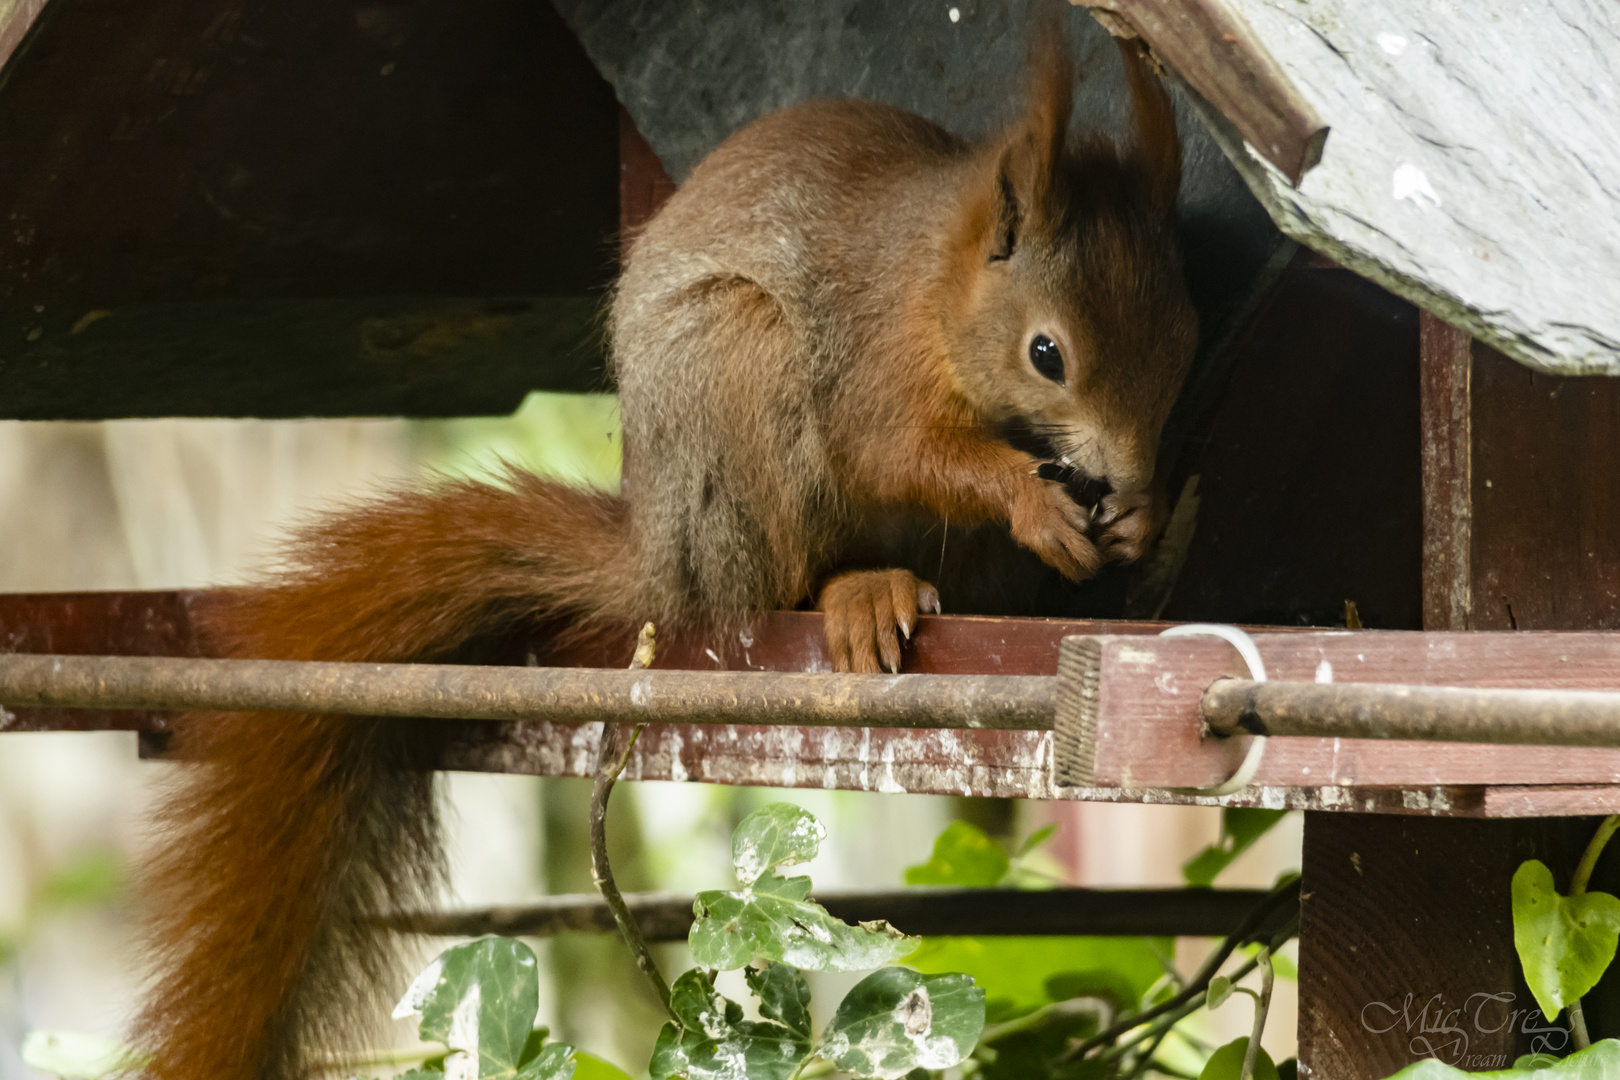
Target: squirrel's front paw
point(866, 611)
point(1127, 524)
point(1055, 527)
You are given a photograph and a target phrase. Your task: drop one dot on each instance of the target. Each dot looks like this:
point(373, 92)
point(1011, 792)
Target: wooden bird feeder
point(1401, 401)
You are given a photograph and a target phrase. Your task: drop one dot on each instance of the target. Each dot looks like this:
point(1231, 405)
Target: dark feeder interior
point(412, 209)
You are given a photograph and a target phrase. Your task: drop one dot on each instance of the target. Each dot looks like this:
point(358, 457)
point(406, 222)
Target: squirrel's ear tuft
point(1031, 171)
point(1157, 149)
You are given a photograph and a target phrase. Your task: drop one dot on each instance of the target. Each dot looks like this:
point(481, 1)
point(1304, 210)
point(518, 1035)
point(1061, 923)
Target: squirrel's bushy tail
point(286, 834)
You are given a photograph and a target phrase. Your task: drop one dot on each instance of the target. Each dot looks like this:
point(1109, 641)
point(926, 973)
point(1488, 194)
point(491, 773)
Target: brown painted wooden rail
point(1384, 778)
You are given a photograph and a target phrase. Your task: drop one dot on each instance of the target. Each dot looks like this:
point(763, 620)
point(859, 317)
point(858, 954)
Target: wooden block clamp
point(1134, 712)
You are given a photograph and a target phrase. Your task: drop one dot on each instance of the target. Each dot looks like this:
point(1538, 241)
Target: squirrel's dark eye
point(1047, 358)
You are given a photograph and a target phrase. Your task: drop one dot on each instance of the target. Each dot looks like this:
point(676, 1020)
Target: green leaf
point(1240, 828)
point(1564, 942)
point(1035, 840)
point(1020, 974)
point(896, 1020)
point(74, 1056)
point(554, 1062)
point(1227, 1063)
point(1281, 965)
point(964, 855)
point(1220, 988)
point(734, 927)
point(93, 878)
point(780, 834)
point(591, 1067)
point(533, 1045)
point(1600, 1061)
point(714, 1042)
point(1035, 1053)
point(783, 994)
point(480, 999)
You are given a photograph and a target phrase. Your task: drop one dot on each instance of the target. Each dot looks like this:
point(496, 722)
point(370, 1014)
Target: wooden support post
point(1406, 943)
point(643, 183)
point(1444, 378)
point(1521, 524)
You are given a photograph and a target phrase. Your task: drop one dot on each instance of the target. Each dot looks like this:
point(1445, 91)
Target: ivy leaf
point(554, 1062)
point(732, 928)
point(780, 834)
point(788, 888)
point(784, 995)
point(1599, 1061)
point(896, 1020)
point(1227, 1063)
point(1240, 827)
point(480, 1000)
point(714, 1042)
point(1564, 942)
point(964, 855)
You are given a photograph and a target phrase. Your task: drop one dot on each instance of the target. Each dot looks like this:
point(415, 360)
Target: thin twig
point(1163, 1024)
point(1589, 857)
point(348, 1065)
point(1199, 982)
point(1145, 1059)
point(1577, 887)
point(1261, 1006)
point(608, 768)
point(1045, 1014)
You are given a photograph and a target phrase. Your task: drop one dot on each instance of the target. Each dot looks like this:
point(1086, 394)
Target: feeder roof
point(1472, 153)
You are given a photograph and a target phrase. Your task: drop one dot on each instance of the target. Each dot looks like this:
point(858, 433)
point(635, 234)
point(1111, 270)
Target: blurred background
point(163, 504)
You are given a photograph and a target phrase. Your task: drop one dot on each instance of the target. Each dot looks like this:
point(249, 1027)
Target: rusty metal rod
point(1419, 713)
point(1042, 912)
point(561, 695)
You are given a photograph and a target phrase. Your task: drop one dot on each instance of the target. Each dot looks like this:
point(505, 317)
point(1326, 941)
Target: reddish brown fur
point(817, 341)
point(298, 827)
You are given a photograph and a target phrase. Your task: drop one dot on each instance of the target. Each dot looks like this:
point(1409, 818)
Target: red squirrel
point(823, 343)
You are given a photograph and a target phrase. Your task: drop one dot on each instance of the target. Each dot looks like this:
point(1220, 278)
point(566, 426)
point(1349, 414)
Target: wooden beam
point(1149, 732)
point(1220, 57)
point(292, 209)
point(16, 20)
point(999, 764)
point(1447, 490)
point(982, 912)
point(644, 184)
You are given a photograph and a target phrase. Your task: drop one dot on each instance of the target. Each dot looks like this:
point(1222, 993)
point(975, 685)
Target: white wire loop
point(1246, 648)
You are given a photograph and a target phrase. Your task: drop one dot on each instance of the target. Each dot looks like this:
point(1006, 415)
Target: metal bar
point(1422, 713)
point(560, 695)
point(981, 912)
